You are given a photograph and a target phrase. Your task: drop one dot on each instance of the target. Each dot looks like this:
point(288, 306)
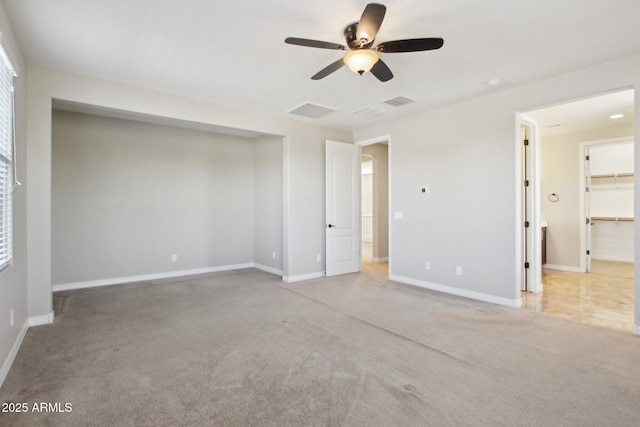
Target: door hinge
point(586, 158)
point(588, 221)
point(586, 189)
point(588, 252)
point(526, 265)
point(526, 224)
point(526, 183)
point(526, 142)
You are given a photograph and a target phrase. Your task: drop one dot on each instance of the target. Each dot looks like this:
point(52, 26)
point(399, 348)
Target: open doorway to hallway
point(586, 190)
point(375, 209)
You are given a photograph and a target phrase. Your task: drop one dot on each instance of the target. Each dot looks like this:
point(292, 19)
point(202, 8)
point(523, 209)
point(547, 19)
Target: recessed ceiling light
point(616, 116)
point(494, 83)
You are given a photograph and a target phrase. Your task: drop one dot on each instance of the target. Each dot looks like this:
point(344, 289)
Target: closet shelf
point(611, 218)
point(613, 175)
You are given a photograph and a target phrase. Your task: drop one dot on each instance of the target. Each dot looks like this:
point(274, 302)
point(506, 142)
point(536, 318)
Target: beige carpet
point(242, 348)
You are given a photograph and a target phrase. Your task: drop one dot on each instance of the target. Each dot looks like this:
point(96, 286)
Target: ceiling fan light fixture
point(361, 60)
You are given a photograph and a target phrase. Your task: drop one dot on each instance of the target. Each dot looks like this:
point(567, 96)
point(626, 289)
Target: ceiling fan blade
point(328, 70)
point(381, 71)
point(410, 45)
point(314, 43)
point(370, 22)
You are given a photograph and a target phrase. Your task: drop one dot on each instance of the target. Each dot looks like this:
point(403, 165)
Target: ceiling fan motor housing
point(350, 35)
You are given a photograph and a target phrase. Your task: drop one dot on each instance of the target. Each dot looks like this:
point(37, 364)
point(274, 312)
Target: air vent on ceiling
point(398, 101)
point(311, 110)
point(367, 112)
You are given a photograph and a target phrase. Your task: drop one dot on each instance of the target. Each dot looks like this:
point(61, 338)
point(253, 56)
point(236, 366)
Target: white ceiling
point(584, 114)
point(233, 52)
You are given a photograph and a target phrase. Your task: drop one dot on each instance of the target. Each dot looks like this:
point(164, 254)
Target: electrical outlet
point(174, 257)
point(318, 257)
point(273, 254)
point(12, 317)
point(427, 265)
point(459, 270)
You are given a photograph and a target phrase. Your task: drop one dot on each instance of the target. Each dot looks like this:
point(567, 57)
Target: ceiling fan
point(362, 56)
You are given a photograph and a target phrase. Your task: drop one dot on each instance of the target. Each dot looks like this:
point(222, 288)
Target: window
point(7, 159)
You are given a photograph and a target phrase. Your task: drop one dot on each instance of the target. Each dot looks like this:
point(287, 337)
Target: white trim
point(613, 258)
point(383, 259)
point(378, 140)
point(375, 140)
point(636, 330)
point(147, 277)
point(458, 292)
point(6, 366)
point(301, 277)
point(6, 55)
point(268, 269)
point(563, 268)
point(534, 274)
point(45, 319)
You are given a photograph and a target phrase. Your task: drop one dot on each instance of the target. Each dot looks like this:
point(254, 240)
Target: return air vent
point(367, 112)
point(398, 101)
point(311, 110)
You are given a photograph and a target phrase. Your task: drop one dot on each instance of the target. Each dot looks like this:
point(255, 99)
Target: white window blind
point(7, 166)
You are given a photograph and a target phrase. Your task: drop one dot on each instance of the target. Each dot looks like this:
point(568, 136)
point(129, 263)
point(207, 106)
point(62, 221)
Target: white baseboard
point(383, 259)
point(6, 366)
point(268, 269)
point(147, 277)
point(301, 277)
point(636, 329)
point(45, 319)
point(613, 258)
point(457, 291)
point(563, 268)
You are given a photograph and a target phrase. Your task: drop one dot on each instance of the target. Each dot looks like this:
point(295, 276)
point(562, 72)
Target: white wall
point(13, 290)
point(560, 174)
point(303, 166)
point(469, 156)
point(126, 196)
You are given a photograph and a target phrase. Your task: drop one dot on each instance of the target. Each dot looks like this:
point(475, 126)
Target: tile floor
point(604, 297)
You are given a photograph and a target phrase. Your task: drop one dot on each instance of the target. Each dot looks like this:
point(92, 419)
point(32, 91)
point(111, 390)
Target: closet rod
point(613, 175)
point(611, 218)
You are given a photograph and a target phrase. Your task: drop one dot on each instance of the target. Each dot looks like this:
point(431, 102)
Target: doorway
point(569, 133)
point(375, 208)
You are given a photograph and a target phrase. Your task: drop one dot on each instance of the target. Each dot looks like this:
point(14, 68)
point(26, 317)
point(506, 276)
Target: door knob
point(330, 225)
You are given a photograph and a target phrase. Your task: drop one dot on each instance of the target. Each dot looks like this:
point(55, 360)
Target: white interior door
point(342, 164)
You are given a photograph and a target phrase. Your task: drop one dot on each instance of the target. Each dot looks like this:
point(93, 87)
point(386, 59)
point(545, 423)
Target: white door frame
point(378, 140)
point(534, 272)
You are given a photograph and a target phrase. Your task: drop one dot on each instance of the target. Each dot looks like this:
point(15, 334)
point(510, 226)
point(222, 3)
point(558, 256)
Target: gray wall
point(127, 195)
point(467, 153)
point(560, 166)
point(268, 202)
point(303, 165)
point(13, 290)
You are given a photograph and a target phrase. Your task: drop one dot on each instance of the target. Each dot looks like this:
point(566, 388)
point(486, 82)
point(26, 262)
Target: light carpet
point(243, 348)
